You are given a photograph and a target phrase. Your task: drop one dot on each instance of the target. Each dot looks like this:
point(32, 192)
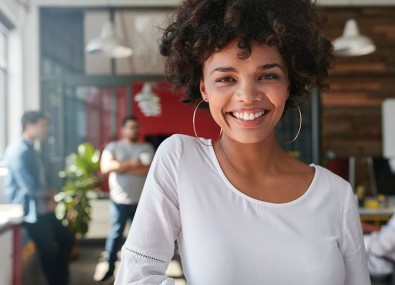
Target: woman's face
point(246, 96)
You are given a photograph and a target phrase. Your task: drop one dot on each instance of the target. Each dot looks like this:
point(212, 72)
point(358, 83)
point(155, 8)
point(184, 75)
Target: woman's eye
point(269, 76)
point(225, 79)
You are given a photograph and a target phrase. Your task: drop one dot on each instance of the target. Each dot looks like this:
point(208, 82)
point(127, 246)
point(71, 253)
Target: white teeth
point(248, 116)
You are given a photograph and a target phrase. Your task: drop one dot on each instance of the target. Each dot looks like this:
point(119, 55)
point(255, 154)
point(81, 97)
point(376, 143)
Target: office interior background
point(44, 64)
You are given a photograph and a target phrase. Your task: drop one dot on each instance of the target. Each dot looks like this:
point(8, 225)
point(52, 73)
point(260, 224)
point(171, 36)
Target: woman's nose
point(248, 92)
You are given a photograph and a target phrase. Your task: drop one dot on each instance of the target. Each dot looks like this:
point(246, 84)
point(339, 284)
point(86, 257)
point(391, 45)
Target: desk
point(376, 215)
point(11, 217)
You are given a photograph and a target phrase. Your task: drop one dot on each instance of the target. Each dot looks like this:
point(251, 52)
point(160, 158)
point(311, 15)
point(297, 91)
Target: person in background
point(241, 209)
point(380, 249)
point(127, 162)
point(26, 185)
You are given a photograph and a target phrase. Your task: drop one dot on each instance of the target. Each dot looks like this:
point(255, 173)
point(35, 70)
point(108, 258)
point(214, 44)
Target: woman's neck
point(246, 157)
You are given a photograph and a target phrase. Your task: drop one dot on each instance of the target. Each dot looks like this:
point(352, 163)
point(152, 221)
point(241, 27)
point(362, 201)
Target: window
point(3, 89)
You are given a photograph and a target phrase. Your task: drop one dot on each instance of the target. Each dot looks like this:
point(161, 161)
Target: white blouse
point(227, 237)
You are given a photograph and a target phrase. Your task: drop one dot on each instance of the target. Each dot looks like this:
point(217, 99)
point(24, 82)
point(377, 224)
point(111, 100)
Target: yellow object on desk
point(378, 215)
point(376, 209)
point(371, 203)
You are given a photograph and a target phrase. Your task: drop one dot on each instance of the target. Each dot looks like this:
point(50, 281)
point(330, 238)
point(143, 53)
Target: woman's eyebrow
point(261, 67)
point(269, 66)
point(222, 69)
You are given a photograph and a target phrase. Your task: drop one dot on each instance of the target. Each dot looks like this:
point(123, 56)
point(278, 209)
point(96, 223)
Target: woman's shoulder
point(322, 171)
point(173, 144)
point(331, 190)
point(180, 140)
point(176, 151)
point(327, 179)
point(184, 147)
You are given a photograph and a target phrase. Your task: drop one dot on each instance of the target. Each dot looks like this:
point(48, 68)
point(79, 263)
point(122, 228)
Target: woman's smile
point(249, 118)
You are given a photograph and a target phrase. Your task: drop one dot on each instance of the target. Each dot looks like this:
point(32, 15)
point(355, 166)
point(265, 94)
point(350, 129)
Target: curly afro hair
point(202, 27)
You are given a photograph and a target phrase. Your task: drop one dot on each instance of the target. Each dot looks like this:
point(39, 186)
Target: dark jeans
point(53, 242)
point(119, 214)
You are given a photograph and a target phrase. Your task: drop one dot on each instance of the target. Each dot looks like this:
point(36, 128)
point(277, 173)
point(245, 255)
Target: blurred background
point(88, 63)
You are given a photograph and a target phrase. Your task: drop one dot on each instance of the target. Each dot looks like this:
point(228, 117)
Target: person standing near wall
point(127, 162)
point(380, 248)
point(26, 185)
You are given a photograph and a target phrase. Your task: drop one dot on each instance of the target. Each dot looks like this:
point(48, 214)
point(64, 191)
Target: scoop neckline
point(257, 201)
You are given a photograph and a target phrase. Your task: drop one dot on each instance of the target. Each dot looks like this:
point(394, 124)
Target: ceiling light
point(352, 43)
point(107, 43)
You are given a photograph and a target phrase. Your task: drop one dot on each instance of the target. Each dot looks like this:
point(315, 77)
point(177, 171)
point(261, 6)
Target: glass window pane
point(3, 90)
point(2, 113)
point(3, 54)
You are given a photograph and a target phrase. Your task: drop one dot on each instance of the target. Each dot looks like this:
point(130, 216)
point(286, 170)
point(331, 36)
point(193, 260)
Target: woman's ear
point(203, 90)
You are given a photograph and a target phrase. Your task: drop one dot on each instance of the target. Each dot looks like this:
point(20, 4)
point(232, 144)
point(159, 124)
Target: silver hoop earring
point(194, 123)
point(300, 125)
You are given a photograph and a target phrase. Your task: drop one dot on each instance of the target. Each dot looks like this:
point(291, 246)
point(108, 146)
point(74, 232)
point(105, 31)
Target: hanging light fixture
point(148, 101)
point(108, 43)
point(352, 43)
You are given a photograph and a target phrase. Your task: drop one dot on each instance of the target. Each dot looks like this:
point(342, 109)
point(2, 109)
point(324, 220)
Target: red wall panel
point(176, 117)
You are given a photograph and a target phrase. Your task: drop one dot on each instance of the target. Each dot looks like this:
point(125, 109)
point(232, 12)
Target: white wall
point(388, 128)
point(16, 14)
point(15, 84)
point(31, 68)
point(18, 75)
point(10, 9)
point(3, 173)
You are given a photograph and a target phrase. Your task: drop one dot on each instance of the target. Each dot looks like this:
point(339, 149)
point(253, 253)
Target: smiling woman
point(261, 216)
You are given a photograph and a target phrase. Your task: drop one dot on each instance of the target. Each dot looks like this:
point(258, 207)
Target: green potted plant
point(82, 178)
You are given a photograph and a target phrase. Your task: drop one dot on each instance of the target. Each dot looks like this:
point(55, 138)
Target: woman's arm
point(352, 244)
point(150, 244)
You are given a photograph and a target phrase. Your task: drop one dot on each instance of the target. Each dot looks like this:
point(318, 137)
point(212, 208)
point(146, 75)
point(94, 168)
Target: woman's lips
point(249, 119)
point(248, 116)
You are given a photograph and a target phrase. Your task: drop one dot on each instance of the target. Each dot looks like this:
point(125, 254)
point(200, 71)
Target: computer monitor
point(382, 175)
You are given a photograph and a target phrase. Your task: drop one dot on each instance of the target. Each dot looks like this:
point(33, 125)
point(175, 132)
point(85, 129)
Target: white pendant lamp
point(108, 43)
point(352, 43)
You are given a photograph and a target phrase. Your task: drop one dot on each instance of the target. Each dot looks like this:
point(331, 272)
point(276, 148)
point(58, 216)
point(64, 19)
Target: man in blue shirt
point(26, 185)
